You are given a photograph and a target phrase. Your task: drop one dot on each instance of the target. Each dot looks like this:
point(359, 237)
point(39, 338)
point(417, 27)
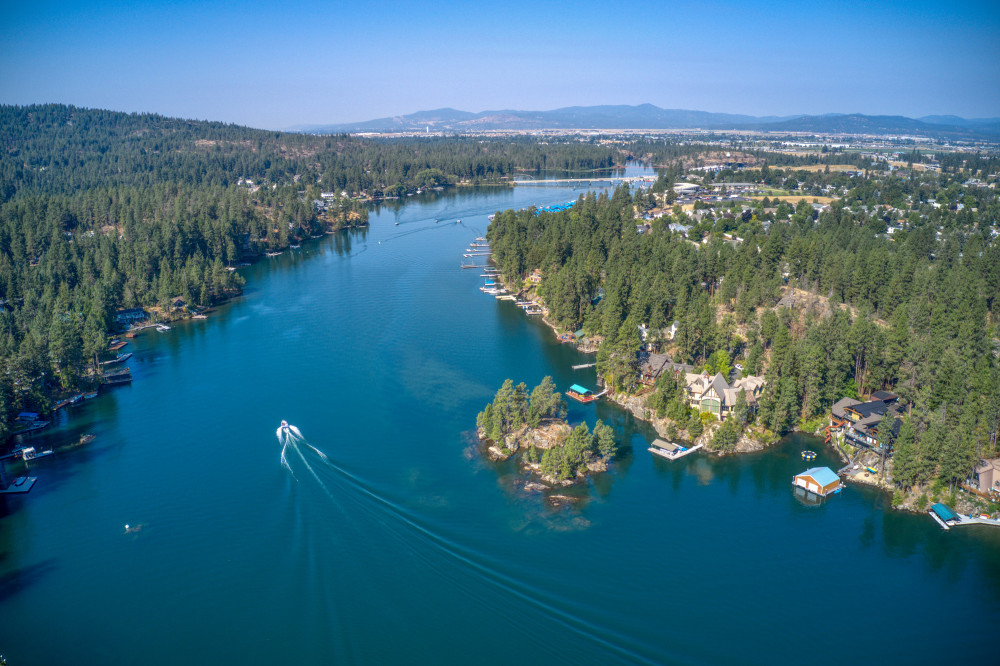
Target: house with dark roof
point(839, 407)
point(888, 397)
point(873, 424)
point(652, 366)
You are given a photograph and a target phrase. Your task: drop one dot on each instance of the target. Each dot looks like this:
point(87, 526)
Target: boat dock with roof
point(821, 481)
point(583, 394)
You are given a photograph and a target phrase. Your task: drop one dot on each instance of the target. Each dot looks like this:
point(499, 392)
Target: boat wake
point(363, 505)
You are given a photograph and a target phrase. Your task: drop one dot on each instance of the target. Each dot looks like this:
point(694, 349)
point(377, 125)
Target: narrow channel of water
point(386, 538)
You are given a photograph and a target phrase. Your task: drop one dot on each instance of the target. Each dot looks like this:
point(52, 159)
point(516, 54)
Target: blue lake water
point(386, 538)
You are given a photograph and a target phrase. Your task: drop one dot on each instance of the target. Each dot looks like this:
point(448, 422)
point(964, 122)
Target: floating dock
point(122, 376)
point(947, 518)
point(585, 365)
point(21, 484)
point(670, 450)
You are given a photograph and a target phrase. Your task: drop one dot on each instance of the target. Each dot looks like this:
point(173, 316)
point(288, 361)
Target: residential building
point(706, 393)
point(986, 476)
point(130, 315)
point(651, 366)
point(870, 424)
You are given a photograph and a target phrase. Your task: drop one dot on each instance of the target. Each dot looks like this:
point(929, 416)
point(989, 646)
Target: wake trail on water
point(403, 234)
point(344, 487)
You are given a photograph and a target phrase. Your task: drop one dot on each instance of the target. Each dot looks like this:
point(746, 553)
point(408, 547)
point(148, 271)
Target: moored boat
point(29, 453)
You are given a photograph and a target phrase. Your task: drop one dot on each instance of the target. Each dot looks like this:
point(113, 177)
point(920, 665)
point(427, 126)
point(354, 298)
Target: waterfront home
point(986, 477)
point(651, 366)
point(868, 424)
point(820, 481)
point(715, 395)
point(129, 316)
point(536, 276)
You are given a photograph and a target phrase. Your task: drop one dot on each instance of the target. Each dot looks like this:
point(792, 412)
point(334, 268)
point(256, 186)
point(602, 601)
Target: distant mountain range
point(648, 116)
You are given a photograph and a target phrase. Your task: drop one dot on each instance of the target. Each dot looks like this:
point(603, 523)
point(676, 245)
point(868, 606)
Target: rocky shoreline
point(549, 434)
point(747, 443)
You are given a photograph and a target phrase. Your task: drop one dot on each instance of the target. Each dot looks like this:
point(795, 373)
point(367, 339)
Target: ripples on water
point(360, 506)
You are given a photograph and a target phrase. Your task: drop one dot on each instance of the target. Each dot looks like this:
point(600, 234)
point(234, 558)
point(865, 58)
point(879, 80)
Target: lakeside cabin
point(581, 394)
point(821, 481)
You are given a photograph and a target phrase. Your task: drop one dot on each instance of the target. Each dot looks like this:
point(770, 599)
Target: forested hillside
point(921, 315)
point(101, 211)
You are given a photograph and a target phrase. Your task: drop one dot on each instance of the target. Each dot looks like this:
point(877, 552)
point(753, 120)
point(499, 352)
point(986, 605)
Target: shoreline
point(91, 381)
point(747, 443)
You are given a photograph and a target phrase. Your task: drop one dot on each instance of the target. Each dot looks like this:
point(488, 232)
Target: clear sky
point(275, 65)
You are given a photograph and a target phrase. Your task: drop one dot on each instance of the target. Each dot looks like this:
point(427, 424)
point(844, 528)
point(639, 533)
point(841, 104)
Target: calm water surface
point(387, 539)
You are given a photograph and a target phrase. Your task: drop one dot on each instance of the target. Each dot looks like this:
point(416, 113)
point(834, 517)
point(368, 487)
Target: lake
point(383, 536)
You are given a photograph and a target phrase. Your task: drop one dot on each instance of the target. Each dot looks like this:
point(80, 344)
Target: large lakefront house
point(873, 424)
point(717, 396)
point(704, 392)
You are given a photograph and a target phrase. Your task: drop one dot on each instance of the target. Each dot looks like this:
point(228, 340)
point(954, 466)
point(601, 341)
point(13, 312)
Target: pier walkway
point(671, 451)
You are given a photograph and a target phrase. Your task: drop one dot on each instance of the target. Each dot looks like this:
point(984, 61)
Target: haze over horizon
point(269, 67)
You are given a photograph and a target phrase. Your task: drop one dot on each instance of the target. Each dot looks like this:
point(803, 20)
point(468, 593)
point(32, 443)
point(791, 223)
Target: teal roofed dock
point(943, 512)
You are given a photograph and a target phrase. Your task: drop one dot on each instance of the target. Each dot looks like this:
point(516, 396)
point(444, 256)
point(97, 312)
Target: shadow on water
point(343, 241)
point(17, 581)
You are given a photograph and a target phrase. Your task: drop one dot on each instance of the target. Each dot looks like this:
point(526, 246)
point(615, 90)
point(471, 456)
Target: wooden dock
point(670, 450)
point(969, 520)
point(21, 484)
point(584, 365)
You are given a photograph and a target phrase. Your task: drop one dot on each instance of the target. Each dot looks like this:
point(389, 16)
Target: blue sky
point(276, 65)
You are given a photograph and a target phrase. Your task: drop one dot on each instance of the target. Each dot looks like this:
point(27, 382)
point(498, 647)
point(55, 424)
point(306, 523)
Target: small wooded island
point(535, 426)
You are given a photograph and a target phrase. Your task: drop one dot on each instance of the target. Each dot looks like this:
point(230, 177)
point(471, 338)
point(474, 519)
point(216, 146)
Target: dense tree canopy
point(914, 311)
